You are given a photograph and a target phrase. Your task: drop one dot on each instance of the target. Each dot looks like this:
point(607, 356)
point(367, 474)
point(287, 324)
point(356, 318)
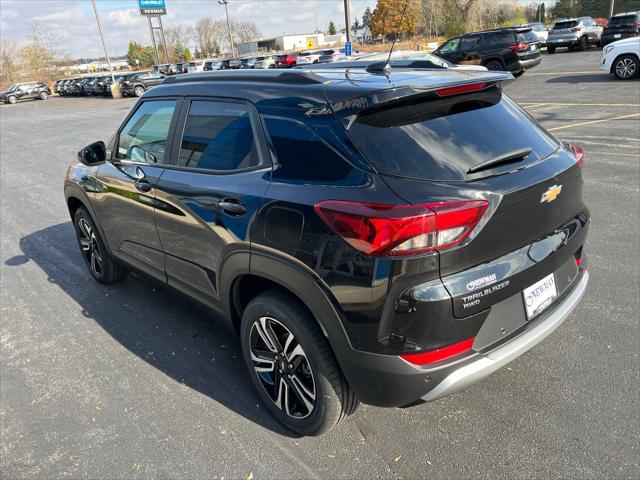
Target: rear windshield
point(622, 20)
point(527, 37)
point(442, 139)
point(564, 25)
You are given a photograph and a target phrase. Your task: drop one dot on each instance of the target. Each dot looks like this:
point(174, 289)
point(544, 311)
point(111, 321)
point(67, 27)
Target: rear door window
point(441, 139)
point(469, 43)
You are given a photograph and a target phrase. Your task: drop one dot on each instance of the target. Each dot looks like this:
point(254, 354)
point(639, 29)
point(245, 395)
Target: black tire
point(102, 267)
point(551, 50)
point(582, 44)
point(275, 313)
point(43, 95)
point(494, 65)
point(12, 99)
point(518, 74)
point(626, 67)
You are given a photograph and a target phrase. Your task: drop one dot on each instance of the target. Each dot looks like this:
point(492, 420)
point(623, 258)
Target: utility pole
point(115, 88)
point(226, 12)
point(611, 8)
point(347, 19)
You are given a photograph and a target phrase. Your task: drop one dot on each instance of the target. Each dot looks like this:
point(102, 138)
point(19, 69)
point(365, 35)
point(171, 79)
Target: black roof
point(317, 86)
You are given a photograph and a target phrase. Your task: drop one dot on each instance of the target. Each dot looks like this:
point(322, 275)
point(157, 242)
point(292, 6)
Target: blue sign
point(347, 49)
point(152, 7)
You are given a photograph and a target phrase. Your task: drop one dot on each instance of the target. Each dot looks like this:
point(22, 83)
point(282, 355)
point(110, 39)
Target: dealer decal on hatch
point(475, 299)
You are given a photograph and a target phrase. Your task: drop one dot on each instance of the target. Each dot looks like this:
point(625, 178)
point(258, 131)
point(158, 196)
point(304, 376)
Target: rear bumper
point(485, 364)
point(526, 64)
point(562, 42)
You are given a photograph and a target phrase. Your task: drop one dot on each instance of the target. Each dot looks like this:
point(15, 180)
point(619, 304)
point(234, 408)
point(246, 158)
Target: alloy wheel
point(282, 367)
point(138, 91)
point(625, 68)
point(90, 248)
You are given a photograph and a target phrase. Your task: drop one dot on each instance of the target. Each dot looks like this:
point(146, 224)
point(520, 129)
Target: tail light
point(635, 24)
point(374, 229)
point(519, 47)
point(575, 29)
point(579, 154)
point(439, 355)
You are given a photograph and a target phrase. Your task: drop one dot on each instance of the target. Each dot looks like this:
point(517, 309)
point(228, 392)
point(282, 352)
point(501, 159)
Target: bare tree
point(208, 33)
point(244, 32)
point(181, 33)
point(8, 61)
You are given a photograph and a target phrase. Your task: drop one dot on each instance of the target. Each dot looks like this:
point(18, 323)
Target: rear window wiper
point(508, 157)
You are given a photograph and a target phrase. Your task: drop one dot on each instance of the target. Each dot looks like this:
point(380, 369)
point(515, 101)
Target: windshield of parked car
point(622, 20)
point(13, 88)
point(441, 139)
point(564, 25)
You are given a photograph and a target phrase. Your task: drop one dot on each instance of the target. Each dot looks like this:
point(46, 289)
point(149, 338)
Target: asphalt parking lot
point(133, 381)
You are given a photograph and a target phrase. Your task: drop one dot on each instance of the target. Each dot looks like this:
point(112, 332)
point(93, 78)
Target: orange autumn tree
point(387, 14)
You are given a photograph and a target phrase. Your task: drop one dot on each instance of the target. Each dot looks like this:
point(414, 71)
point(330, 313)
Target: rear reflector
point(375, 229)
point(575, 29)
point(439, 355)
point(472, 87)
point(579, 154)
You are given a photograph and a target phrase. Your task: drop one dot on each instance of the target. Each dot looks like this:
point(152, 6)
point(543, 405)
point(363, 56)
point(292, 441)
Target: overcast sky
point(121, 21)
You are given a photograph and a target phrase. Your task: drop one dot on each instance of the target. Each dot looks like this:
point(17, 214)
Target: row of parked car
point(131, 84)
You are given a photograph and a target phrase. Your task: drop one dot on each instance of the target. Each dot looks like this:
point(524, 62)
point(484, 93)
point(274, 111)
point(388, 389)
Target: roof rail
point(291, 77)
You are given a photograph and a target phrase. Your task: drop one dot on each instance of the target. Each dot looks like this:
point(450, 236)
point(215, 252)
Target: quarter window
point(218, 136)
point(144, 137)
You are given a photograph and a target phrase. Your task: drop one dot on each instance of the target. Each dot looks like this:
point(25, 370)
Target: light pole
point(347, 19)
point(226, 12)
point(115, 88)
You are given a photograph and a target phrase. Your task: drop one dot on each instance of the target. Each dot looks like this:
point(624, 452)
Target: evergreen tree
point(543, 15)
point(178, 51)
point(367, 17)
point(332, 28)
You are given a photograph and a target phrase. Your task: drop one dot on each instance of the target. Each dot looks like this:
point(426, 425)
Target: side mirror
point(93, 154)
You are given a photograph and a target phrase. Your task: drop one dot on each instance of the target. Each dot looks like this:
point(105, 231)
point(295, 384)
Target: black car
point(23, 91)
point(211, 65)
point(621, 25)
point(511, 49)
point(136, 84)
point(383, 238)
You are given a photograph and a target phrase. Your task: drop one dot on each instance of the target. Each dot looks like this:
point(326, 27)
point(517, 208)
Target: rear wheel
point(518, 74)
point(138, 90)
point(43, 95)
point(292, 365)
point(582, 44)
point(100, 263)
point(551, 50)
point(626, 67)
point(494, 65)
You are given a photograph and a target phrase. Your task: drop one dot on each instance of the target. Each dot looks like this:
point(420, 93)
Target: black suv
point(21, 91)
point(511, 49)
point(388, 239)
point(621, 25)
point(136, 84)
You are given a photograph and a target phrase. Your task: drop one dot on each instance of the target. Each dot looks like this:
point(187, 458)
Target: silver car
point(574, 33)
point(539, 30)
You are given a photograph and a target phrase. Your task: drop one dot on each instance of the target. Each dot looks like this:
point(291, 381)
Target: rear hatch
point(564, 30)
point(528, 46)
point(480, 145)
point(623, 24)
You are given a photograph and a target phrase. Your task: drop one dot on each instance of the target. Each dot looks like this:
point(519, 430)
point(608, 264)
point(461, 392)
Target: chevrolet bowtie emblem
point(551, 194)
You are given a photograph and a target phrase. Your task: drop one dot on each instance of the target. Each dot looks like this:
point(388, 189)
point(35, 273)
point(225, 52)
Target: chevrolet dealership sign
point(152, 7)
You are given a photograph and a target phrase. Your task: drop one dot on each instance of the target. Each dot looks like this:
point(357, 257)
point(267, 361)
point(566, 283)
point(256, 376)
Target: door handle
point(232, 207)
point(143, 185)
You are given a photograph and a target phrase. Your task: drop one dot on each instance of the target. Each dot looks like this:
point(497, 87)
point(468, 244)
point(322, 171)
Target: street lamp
point(226, 12)
point(115, 89)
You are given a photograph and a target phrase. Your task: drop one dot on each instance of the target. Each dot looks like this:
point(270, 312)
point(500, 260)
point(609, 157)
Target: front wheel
point(101, 266)
point(626, 67)
point(292, 366)
point(551, 50)
point(582, 44)
point(12, 99)
point(43, 95)
point(138, 91)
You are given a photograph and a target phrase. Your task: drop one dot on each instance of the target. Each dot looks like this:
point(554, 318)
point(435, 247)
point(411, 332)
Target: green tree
point(187, 54)
point(367, 18)
point(356, 25)
point(542, 13)
point(332, 28)
point(179, 52)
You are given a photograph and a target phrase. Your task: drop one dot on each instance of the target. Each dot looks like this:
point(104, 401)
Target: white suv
point(622, 58)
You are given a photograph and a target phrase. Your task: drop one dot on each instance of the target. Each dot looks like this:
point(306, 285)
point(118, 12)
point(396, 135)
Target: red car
point(286, 60)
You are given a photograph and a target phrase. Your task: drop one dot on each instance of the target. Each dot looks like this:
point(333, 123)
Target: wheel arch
point(619, 56)
point(493, 58)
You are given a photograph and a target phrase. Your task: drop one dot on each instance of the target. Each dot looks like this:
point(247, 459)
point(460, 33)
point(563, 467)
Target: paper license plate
point(540, 295)
point(617, 35)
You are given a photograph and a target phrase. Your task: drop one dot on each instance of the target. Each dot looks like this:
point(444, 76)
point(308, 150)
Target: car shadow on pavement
point(183, 339)
point(583, 78)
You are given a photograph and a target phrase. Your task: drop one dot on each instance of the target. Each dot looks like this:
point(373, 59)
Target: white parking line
point(621, 117)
